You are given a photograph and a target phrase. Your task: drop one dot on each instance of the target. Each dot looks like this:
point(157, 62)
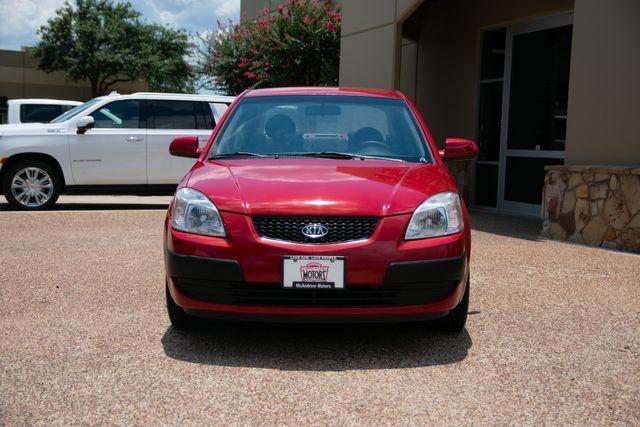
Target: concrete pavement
point(552, 338)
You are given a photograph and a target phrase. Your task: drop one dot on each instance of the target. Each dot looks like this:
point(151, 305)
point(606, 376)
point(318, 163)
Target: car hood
point(32, 128)
point(317, 186)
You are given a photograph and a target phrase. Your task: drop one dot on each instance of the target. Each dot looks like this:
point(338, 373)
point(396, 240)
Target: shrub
point(296, 45)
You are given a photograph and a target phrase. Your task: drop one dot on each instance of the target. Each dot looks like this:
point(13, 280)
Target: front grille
point(241, 293)
point(340, 228)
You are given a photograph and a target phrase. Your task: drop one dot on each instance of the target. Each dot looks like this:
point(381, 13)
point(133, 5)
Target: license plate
point(313, 272)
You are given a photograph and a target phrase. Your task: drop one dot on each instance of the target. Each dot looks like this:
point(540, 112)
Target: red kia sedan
point(319, 204)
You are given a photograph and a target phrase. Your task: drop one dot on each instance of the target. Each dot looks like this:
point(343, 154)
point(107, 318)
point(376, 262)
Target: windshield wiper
point(318, 154)
point(339, 155)
point(327, 154)
point(236, 154)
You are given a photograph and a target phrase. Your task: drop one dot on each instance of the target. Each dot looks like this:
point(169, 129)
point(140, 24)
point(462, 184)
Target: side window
point(205, 118)
point(118, 115)
point(168, 114)
point(39, 113)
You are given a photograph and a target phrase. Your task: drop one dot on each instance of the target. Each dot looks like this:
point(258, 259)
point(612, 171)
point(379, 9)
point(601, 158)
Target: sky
point(19, 19)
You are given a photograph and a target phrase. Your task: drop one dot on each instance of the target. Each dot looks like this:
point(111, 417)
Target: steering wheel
point(375, 147)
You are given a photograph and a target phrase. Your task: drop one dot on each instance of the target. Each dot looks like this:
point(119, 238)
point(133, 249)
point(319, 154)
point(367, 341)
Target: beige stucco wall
point(371, 43)
point(20, 78)
point(408, 68)
point(249, 9)
point(603, 124)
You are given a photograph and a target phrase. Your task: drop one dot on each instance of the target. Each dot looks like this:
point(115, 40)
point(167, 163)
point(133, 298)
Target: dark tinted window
point(40, 113)
point(486, 184)
point(540, 89)
point(493, 54)
point(118, 115)
point(489, 121)
point(525, 178)
point(3, 109)
point(168, 114)
point(204, 116)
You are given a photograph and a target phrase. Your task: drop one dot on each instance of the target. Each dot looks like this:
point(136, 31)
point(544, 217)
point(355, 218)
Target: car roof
point(166, 96)
point(43, 101)
point(185, 96)
point(348, 91)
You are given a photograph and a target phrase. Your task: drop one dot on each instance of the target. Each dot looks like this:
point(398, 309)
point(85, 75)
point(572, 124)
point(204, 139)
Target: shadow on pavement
point(506, 225)
point(313, 347)
point(94, 207)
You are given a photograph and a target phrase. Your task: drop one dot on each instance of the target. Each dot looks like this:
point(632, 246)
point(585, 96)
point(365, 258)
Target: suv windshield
point(80, 108)
point(322, 125)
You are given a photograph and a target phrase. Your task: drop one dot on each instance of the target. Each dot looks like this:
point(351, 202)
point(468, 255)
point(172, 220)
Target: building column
point(604, 88)
point(371, 42)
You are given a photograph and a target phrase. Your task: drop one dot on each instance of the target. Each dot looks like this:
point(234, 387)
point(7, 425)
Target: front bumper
point(386, 278)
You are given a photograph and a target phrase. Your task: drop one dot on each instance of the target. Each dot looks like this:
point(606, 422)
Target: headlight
point(193, 212)
point(439, 215)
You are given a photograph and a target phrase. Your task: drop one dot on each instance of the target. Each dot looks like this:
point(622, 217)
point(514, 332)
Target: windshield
point(322, 124)
point(80, 108)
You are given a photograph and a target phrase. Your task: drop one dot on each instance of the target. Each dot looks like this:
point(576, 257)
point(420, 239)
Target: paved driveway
point(552, 337)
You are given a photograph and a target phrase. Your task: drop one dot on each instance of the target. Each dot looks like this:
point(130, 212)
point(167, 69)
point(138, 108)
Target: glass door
point(490, 88)
point(534, 109)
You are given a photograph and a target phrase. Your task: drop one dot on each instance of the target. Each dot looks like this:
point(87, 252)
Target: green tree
point(106, 42)
point(296, 45)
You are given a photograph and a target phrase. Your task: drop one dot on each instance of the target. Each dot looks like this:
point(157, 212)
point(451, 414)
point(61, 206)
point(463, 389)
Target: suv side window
point(118, 115)
point(169, 114)
point(40, 113)
point(205, 116)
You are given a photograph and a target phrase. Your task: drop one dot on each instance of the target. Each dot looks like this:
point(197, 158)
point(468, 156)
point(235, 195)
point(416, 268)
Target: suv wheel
point(179, 319)
point(457, 318)
point(31, 185)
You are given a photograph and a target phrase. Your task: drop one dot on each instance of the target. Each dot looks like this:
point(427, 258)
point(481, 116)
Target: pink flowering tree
point(296, 45)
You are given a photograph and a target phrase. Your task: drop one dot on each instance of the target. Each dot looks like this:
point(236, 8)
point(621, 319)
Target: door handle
point(134, 139)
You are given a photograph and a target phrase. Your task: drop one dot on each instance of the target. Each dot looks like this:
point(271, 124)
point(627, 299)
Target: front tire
point(179, 319)
point(31, 185)
point(457, 318)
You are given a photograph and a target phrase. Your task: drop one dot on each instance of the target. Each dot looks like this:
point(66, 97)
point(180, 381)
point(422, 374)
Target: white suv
point(115, 144)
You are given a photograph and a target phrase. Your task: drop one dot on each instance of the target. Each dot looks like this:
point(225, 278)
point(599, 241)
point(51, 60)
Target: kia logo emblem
point(314, 231)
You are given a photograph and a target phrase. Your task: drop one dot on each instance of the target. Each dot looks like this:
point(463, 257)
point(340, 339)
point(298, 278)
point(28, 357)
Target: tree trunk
point(94, 87)
point(101, 88)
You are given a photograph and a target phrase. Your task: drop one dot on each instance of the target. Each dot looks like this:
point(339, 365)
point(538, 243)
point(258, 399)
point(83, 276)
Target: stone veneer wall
point(599, 206)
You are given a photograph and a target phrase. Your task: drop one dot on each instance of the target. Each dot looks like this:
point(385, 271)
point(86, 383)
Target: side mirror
point(185, 146)
point(459, 149)
point(85, 123)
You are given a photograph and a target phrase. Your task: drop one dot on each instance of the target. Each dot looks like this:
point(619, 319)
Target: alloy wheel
point(32, 187)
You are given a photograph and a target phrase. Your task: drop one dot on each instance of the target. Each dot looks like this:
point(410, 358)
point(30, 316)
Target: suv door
point(166, 120)
point(114, 151)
